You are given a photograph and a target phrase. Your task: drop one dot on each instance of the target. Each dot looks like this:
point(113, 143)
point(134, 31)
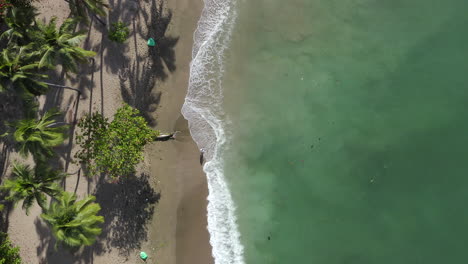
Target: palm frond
point(61, 45)
point(75, 40)
point(96, 6)
point(74, 223)
point(68, 25)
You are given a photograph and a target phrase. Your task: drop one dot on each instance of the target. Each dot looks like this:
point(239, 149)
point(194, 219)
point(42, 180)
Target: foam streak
point(204, 112)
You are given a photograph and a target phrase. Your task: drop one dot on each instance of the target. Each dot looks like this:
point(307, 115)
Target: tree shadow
point(12, 108)
point(59, 255)
point(5, 213)
point(139, 79)
point(112, 55)
point(4, 158)
point(163, 53)
point(127, 206)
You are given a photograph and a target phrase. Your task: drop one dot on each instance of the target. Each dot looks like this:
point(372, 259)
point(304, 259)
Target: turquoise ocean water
point(337, 130)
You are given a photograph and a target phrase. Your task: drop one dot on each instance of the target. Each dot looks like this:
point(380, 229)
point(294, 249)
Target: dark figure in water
point(202, 159)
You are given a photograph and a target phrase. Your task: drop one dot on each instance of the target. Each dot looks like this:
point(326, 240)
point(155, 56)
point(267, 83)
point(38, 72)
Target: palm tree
point(61, 45)
point(37, 136)
point(95, 7)
point(18, 72)
point(29, 185)
point(20, 21)
point(74, 223)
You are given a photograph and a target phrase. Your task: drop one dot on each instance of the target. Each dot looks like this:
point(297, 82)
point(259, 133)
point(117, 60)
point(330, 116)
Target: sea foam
point(204, 112)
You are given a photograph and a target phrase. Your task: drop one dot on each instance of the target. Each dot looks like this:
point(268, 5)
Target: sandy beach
point(162, 209)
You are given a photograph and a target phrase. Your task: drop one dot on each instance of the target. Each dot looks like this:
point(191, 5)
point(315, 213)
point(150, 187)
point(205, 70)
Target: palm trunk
point(98, 19)
point(63, 86)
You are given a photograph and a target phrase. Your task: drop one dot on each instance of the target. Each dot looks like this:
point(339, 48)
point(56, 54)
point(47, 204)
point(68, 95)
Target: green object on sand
point(151, 42)
point(143, 255)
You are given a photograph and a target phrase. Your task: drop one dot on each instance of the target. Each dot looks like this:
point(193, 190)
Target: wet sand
point(182, 208)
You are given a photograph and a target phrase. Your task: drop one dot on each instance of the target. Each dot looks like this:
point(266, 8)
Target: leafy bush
point(116, 147)
point(119, 32)
point(9, 254)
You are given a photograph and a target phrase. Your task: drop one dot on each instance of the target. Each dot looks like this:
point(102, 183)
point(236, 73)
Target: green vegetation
point(29, 185)
point(119, 32)
point(18, 72)
point(116, 147)
point(81, 8)
point(74, 223)
point(9, 254)
point(61, 46)
point(20, 22)
point(37, 136)
point(31, 51)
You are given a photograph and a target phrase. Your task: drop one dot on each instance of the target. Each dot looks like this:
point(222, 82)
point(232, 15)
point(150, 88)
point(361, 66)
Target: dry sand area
point(162, 209)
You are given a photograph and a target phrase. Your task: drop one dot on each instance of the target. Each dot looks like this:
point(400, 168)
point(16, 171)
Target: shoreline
point(181, 174)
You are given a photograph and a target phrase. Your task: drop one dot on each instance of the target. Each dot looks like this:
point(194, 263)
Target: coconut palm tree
point(74, 223)
point(37, 136)
point(30, 185)
point(18, 72)
point(61, 45)
point(81, 8)
point(20, 22)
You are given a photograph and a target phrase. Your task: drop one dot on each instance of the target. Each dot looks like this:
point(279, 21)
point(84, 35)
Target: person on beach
point(202, 159)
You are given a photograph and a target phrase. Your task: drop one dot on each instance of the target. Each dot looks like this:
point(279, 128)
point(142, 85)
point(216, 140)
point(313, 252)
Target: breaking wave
point(205, 115)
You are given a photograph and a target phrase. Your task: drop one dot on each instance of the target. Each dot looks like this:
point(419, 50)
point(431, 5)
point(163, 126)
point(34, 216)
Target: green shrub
point(119, 32)
point(115, 147)
point(9, 254)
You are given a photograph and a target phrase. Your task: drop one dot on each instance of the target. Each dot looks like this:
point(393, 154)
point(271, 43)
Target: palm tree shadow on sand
point(127, 207)
point(139, 79)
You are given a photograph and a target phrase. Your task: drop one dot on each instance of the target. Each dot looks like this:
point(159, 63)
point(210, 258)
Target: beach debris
point(151, 42)
point(165, 137)
point(143, 255)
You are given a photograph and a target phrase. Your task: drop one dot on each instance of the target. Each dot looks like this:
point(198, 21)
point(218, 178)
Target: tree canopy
point(60, 45)
point(9, 254)
point(74, 223)
point(18, 71)
point(37, 136)
point(30, 185)
point(115, 147)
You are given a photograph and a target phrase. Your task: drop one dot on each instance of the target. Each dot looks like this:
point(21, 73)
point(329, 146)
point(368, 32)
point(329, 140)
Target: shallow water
point(347, 133)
